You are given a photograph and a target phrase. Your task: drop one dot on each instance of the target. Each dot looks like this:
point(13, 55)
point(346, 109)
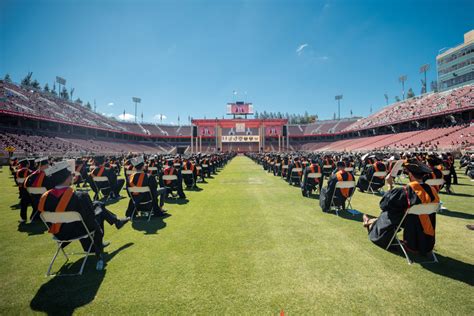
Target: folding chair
point(418, 209)
point(199, 170)
point(376, 174)
point(295, 175)
point(348, 169)
point(327, 169)
point(177, 165)
point(139, 207)
point(173, 178)
point(102, 186)
point(285, 167)
point(347, 203)
point(445, 174)
point(277, 166)
point(188, 178)
point(315, 175)
point(436, 183)
point(36, 191)
point(20, 181)
point(63, 218)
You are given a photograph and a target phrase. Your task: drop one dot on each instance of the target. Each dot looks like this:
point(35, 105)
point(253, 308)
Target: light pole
point(402, 80)
point(136, 100)
point(338, 98)
point(423, 69)
point(386, 98)
point(60, 81)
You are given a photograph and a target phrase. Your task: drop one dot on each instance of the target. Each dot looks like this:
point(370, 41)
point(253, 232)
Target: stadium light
point(339, 98)
point(136, 100)
point(402, 80)
point(60, 81)
point(423, 69)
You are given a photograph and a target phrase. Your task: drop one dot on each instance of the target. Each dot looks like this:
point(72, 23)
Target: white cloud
point(300, 48)
point(110, 104)
point(126, 117)
point(157, 117)
point(324, 58)
point(108, 114)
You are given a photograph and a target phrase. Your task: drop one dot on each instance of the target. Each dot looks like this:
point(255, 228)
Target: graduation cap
point(42, 161)
point(416, 167)
point(364, 156)
point(23, 162)
point(99, 159)
point(138, 161)
point(340, 164)
point(433, 160)
point(59, 171)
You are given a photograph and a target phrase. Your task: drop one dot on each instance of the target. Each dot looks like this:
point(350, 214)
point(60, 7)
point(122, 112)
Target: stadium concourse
point(39, 123)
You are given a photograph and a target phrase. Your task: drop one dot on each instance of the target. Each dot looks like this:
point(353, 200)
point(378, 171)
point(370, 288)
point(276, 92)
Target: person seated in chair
point(170, 184)
point(191, 179)
point(340, 195)
point(419, 230)
point(37, 179)
point(294, 177)
point(377, 182)
point(101, 170)
point(62, 198)
point(309, 184)
point(142, 179)
point(434, 162)
point(22, 173)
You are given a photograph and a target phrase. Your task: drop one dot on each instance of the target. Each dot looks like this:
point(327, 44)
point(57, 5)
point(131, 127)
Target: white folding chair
point(445, 174)
point(20, 181)
point(177, 165)
point(137, 206)
point(38, 191)
point(418, 209)
point(434, 182)
point(188, 175)
point(327, 169)
point(295, 174)
point(102, 184)
point(376, 174)
point(315, 175)
point(284, 168)
point(173, 178)
point(343, 185)
point(348, 169)
point(64, 218)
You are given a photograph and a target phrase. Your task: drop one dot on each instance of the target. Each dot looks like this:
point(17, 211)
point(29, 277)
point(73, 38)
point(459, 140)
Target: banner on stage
point(240, 139)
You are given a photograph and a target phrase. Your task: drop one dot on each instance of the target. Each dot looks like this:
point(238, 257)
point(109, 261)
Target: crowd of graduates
point(64, 185)
point(333, 177)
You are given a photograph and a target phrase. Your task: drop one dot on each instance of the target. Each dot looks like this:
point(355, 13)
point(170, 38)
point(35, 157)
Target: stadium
point(241, 211)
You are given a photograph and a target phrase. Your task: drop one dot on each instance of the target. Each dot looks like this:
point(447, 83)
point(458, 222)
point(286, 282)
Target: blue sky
point(187, 57)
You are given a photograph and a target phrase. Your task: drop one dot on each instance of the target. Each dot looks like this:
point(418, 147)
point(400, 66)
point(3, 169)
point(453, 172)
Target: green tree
point(64, 94)
point(256, 114)
point(410, 93)
point(78, 100)
point(7, 79)
point(35, 84)
point(397, 98)
point(26, 82)
point(46, 87)
point(88, 105)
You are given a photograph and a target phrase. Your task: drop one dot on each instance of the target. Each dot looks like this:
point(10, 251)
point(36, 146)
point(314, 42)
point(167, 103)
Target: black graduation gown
point(327, 192)
point(364, 179)
point(393, 205)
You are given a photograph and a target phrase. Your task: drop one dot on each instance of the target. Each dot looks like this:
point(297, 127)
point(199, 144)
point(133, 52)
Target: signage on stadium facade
point(10, 149)
point(240, 139)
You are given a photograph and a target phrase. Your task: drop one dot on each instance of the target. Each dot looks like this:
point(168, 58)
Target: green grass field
point(248, 243)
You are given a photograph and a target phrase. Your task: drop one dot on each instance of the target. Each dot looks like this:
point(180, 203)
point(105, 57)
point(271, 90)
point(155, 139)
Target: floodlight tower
point(402, 80)
point(338, 98)
point(60, 81)
point(136, 100)
point(423, 69)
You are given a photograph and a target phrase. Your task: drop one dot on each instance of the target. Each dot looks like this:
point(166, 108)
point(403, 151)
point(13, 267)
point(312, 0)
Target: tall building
point(456, 65)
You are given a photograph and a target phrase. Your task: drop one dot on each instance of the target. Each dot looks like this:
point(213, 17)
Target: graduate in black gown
point(62, 198)
point(340, 195)
point(370, 169)
point(142, 179)
point(418, 230)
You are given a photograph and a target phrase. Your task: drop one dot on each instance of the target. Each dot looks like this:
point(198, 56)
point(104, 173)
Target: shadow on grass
point(456, 194)
point(453, 269)
point(151, 227)
point(62, 295)
point(177, 201)
point(196, 189)
point(15, 206)
point(33, 228)
point(456, 214)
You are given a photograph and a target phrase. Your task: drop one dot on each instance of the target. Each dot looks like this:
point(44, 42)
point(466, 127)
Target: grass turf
point(248, 243)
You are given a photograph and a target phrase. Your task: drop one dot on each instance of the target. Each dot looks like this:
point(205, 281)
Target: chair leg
point(404, 252)
point(64, 253)
point(85, 258)
point(48, 273)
